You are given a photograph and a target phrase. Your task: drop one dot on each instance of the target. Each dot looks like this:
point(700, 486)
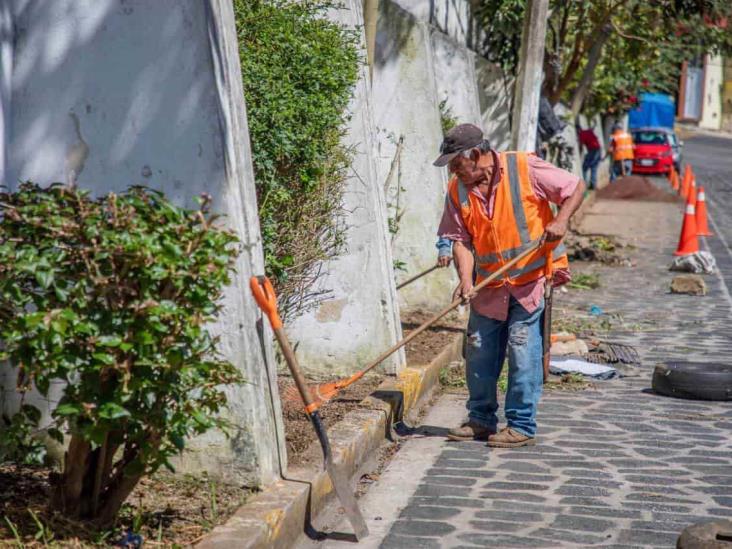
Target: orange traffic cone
point(688, 242)
point(674, 178)
point(702, 229)
point(686, 183)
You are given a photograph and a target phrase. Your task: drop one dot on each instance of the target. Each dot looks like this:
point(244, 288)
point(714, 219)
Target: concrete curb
point(281, 513)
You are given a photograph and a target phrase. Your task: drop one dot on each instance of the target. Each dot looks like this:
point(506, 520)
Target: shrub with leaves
point(111, 296)
point(298, 71)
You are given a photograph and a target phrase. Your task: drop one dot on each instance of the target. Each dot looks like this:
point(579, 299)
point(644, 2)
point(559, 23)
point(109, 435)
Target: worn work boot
point(469, 431)
point(508, 438)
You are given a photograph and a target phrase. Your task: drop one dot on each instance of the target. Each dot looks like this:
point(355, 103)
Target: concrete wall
point(454, 18)
point(494, 95)
point(362, 317)
point(406, 101)
point(156, 90)
point(712, 101)
point(455, 77)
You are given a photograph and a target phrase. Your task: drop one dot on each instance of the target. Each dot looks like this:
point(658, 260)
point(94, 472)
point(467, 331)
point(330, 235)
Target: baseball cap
point(460, 138)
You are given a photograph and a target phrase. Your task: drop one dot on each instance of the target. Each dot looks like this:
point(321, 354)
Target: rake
point(324, 392)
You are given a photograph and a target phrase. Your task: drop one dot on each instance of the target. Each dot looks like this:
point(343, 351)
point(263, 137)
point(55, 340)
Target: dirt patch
point(635, 187)
point(425, 347)
point(603, 249)
point(299, 433)
point(166, 510)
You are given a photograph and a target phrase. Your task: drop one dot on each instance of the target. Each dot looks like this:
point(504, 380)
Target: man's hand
point(464, 291)
point(444, 260)
point(555, 230)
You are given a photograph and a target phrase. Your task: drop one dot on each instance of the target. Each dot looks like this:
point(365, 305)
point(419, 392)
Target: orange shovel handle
point(266, 298)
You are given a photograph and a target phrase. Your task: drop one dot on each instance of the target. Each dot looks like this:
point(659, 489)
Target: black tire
point(709, 535)
point(694, 380)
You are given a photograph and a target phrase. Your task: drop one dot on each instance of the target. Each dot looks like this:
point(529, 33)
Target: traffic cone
point(686, 183)
point(674, 178)
point(702, 229)
point(688, 242)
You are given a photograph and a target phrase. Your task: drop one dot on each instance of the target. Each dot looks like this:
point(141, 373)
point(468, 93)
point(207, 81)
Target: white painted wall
point(156, 87)
point(454, 18)
point(455, 78)
point(362, 318)
point(494, 96)
point(712, 101)
point(405, 93)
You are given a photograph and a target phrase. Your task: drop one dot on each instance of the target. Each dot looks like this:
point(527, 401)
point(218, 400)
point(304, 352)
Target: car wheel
point(709, 535)
point(693, 380)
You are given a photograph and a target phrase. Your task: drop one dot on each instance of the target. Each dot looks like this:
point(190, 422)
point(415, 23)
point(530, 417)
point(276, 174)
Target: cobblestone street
point(615, 465)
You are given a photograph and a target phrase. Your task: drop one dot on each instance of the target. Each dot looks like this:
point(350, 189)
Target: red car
point(653, 150)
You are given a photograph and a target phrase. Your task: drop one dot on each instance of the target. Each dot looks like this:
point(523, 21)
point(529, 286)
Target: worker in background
point(621, 147)
point(497, 205)
point(593, 155)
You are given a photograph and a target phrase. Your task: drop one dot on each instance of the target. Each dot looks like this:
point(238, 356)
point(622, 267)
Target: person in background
point(621, 147)
point(593, 155)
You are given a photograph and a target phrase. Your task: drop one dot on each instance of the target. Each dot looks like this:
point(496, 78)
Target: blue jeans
point(590, 163)
point(617, 168)
point(488, 343)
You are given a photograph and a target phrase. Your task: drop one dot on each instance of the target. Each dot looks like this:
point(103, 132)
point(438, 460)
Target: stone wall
point(117, 93)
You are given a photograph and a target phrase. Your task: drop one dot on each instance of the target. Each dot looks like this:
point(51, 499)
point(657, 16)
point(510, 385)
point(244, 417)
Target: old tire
point(693, 380)
point(709, 535)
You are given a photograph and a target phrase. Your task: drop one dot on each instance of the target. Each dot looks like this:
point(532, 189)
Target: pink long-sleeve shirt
point(549, 183)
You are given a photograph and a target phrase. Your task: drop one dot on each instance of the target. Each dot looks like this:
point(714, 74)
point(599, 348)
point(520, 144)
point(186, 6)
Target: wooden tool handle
point(454, 305)
point(416, 277)
point(266, 298)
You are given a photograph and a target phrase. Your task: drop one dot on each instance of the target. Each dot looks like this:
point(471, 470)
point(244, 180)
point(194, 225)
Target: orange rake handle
point(266, 298)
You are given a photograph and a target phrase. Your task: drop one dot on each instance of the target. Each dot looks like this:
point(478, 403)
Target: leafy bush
point(298, 70)
point(111, 296)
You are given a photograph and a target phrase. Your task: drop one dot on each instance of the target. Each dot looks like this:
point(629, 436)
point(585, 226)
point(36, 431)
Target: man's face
point(466, 168)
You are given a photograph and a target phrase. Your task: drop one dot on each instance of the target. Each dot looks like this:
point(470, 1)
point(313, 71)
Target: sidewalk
point(615, 465)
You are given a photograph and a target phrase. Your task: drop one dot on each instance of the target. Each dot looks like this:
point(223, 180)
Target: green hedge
point(299, 70)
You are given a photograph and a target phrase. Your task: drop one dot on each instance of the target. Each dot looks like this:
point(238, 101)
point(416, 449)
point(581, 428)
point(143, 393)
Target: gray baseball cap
point(460, 138)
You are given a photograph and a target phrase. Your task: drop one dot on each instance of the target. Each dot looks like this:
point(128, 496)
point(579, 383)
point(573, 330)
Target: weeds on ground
point(568, 382)
point(584, 281)
point(166, 510)
point(452, 376)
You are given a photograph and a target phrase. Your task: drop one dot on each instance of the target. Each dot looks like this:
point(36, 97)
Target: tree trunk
point(370, 16)
point(578, 97)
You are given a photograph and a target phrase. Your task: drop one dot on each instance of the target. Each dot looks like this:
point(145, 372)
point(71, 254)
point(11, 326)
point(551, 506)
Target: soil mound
point(635, 187)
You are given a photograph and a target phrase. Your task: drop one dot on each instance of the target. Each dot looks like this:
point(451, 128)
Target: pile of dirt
point(634, 187)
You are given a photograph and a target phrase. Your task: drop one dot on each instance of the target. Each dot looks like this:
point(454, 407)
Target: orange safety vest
point(622, 146)
point(519, 219)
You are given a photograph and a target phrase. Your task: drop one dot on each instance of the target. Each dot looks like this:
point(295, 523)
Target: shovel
point(265, 297)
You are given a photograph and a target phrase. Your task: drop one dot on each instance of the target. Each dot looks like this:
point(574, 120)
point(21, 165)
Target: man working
point(593, 155)
point(497, 206)
point(621, 147)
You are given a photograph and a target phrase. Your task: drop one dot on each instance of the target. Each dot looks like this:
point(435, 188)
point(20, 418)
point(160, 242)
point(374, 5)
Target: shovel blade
point(347, 499)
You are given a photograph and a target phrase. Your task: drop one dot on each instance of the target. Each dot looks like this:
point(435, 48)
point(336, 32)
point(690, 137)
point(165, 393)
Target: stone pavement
point(616, 465)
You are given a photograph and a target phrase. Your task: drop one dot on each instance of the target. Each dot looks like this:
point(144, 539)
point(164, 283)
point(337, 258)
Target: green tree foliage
point(299, 70)
point(638, 45)
point(110, 298)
